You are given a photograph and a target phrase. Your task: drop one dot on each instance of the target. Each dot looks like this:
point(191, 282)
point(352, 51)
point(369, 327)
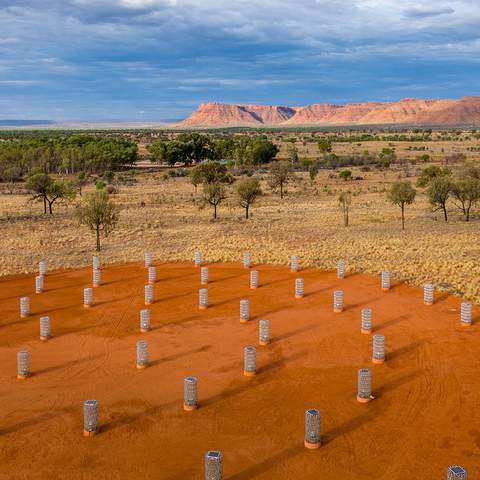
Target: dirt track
point(423, 419)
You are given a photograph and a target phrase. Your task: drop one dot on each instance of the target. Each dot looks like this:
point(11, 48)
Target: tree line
point(63, 155)
point(188, 148)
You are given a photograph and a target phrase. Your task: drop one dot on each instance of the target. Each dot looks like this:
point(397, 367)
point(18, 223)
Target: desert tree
point(82, 180)
point(313, 172)
point(59, 190)
point(345, 203)
point(292, 154)
point(325, 145)
point(280, 174)
point(247, 189)
point(211, 172)
point(195, 178)
point(345, 175)
point(402, 194)
point(438, 191)
point(38, 185)
point(213, 194)
point(431, 172)
point(466, 192)
point(98, 213)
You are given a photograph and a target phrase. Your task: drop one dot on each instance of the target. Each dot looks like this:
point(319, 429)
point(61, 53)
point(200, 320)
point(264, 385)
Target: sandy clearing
point(424, 417)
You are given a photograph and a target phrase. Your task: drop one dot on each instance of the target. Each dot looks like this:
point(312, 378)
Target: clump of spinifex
point(299, 288)
point(142, 354)
point(97, 277)
point(455, 472)
point(366, 327)
point(23, 365)
point(214, 465)
point(244, 311)
point(203, 299)
point(263, 332)
point(45, 329)
point(312, 429)
point(466, 314)
point(254, 279)
point(338, 301)
point(24, 306)
point(152, 275)
point(428, 294)
point(364, 393)
point(190, 396)
point(341, 269)
point(148, 293)
point(91, 417)
point(148, 257)
point(204, 275)
point(247, 260)
point(39, 283)
point(144, 320)
point(378, 349)
point(385, 281)
point(294, 263)
point(249, 361)
point(87, 297)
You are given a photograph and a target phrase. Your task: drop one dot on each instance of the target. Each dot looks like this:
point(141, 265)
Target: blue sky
point(154, 60)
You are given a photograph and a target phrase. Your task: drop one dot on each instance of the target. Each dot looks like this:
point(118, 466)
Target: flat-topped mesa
point(408, 111)
point(222, 114)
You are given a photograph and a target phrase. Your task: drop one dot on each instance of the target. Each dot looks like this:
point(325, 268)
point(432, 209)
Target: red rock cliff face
point(220, 114)
point(408, 111)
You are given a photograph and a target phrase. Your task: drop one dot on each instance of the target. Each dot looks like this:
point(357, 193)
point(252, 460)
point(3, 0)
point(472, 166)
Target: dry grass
point(306, 222)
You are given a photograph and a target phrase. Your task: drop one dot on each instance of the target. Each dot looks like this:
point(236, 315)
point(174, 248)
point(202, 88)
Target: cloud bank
point(157, 59)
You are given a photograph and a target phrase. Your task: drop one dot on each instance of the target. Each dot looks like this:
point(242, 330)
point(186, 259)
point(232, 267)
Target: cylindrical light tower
point(364, 394)
point(87, 297)
point(91, 425)
point(214, 465)
point(428, 294)
point(190, 397)
point(249, 361)
point(466, 314)
point(366, 327)
point(385, 281)
point(144, 320)
point(45, 330)
point(203, 298)
point(294, 263)
point(456, 472)
point(338, 301)
point(254, 279)
point(341, 269)
point(263, 332)
point(312, 429)
point(23, 365)
point(244, 310)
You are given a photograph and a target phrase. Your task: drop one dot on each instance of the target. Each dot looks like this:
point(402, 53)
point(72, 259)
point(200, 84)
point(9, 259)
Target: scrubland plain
point(167, 218)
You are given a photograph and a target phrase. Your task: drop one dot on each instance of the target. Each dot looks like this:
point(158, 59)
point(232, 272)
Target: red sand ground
point(423, 419)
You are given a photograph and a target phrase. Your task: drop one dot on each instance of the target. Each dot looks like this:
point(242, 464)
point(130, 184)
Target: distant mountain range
point(409, 111)
point(24, 123)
